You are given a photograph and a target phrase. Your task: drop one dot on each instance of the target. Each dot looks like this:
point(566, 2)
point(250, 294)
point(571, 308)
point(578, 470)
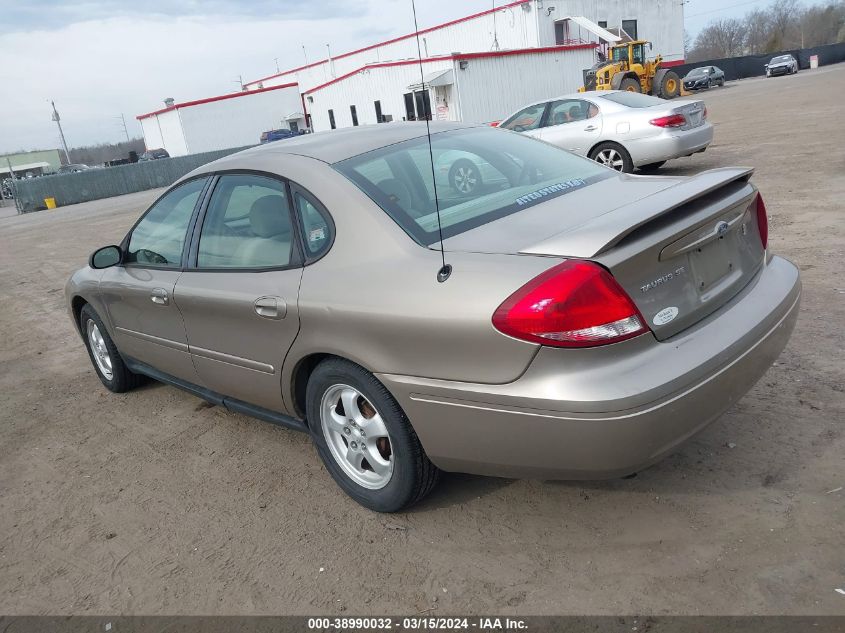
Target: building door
point(294, 126)
point(410, 113)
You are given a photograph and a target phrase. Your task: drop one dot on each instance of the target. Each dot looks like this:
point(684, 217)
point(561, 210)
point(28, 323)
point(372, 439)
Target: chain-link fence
point(31, 193)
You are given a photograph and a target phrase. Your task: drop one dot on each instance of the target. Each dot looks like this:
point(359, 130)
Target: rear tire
point(465, 177)
point(630, 85)
point(652, 166)
point(374, 429)
point(614, 156)
point(107, 362)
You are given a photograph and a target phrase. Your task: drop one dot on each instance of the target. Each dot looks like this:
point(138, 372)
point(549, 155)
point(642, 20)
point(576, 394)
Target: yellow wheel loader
point(628, 69)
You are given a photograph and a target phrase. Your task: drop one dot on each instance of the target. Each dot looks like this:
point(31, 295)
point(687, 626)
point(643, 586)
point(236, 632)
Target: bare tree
point(758, 30)
point(720, 38)
point(822, 24)
point(784, 15)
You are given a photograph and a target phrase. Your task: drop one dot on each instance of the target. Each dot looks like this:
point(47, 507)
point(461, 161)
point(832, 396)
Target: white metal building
point(517, 25)
point(231, 120)
point(480, 87)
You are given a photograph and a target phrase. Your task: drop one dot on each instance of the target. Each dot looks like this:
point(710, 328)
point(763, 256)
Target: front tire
point(670, 85)
point(107, 362)
point(614, 156)
point(364, 438)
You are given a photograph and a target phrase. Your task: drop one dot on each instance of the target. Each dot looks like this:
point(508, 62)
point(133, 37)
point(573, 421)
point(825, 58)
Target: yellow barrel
point(50, 202)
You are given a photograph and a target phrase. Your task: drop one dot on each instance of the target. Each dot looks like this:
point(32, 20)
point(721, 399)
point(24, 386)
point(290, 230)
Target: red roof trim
point(676, 62)
point(393, 41)
point(232, 95)
point(409, 62)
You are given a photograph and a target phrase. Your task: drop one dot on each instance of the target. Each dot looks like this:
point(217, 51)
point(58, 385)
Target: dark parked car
point(277, 135)
point(704, 77)
point(73, 168)
point(153, 154)
point(782, 65)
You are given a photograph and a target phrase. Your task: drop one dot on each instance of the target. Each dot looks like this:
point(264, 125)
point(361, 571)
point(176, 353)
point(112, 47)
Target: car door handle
point(159, 296)
point(590, 128)
point(271, 307)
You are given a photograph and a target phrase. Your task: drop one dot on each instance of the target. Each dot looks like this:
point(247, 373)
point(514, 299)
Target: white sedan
point(622, 130)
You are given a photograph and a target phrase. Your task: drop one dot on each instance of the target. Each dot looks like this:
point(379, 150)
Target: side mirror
point(105, 257)
point(766, 66)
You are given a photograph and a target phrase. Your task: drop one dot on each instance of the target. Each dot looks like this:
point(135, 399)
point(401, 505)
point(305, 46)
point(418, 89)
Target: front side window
point(247, 224)
point(570, 110)
point(515, 172)
point(159, 238)
point(526, 119)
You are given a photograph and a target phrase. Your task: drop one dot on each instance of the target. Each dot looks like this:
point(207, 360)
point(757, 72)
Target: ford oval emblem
point(722, 228)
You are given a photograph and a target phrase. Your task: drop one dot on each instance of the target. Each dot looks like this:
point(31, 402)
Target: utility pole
point(305, 54)
point(276, 59)
point(58, 121)
point(125, 131)
point(240, 82)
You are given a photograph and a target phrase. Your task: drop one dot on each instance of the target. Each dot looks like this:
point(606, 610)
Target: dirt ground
point(154, 502)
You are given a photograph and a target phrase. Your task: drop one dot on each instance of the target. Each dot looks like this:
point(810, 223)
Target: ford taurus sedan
point(584, 325)
point(619, 129)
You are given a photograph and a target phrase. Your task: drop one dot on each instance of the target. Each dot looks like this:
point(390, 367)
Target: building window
point(630, 27)
point(354, 114)
point(377, 104)
point(331, 119)
point(603, 24)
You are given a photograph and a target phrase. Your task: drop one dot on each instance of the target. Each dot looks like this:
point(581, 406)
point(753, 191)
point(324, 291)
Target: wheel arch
point(597, 144)
point(76, 304)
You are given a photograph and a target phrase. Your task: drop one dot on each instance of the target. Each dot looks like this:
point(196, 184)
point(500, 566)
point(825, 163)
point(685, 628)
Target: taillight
point(673, 120)
point(762, 221)
point(494, 123)
point(574, 304)
point(704, 115)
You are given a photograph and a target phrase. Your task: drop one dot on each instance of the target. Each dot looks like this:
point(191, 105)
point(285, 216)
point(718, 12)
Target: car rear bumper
point(610, 411)
point(670, 144)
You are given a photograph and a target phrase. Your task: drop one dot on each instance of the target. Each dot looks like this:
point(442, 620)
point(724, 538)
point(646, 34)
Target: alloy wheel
point(465, 179)
point(357, 436)
point(611, 158)
point(99, 350)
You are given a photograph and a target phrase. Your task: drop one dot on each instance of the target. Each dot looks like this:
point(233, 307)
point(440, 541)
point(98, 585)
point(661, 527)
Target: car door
point(238, 295)
point(138, 293)
point(527, 120)
point(573, 124)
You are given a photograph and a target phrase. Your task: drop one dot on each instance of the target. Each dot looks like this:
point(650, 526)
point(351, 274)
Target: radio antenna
point(446, 270)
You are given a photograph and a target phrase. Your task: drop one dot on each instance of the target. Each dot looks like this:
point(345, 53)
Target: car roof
point(333, 146)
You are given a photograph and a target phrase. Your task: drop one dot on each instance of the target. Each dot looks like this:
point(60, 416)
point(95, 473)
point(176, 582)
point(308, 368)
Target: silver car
point(584, 325)
point(620, 129)
point(782, 65)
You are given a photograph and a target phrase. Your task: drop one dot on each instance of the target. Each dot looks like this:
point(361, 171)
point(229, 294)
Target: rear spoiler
point(603, 232)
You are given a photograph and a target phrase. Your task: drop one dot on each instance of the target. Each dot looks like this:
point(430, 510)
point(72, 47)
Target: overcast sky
point(100, 58)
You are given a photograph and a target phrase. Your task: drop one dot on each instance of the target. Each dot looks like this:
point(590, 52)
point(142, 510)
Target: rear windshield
point(633, 99)
point(480, 175)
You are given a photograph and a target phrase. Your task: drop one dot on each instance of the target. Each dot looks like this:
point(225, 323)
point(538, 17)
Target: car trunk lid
point(681, 248)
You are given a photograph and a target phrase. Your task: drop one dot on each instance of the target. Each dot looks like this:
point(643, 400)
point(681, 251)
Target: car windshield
point(782, 58)
point(633, 99)
point(480, 175)
point(698, 71)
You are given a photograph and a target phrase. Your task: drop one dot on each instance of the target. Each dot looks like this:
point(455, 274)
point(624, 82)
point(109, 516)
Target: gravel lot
point(156, 502)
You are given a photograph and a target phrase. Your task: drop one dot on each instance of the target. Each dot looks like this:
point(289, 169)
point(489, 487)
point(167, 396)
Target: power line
point(733, 6)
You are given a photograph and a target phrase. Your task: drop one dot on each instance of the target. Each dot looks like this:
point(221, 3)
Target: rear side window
point(314, 223)
point(247, 224)
point(480, 174)
point(158, 239)
point(633, 99)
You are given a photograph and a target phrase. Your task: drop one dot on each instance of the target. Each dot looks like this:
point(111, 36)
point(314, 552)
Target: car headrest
point(268, 216)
